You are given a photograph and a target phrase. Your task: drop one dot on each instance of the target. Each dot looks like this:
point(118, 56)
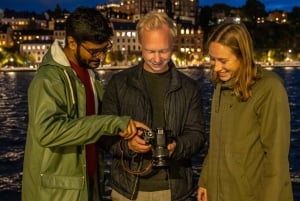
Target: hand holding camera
point(137, 144)
point(160, 140)
point(132, 129)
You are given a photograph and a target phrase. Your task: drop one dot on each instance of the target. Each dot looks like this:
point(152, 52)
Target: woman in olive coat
point(250, 125)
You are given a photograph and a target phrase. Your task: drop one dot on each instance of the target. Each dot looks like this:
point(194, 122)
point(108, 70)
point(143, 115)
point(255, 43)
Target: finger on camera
point(126, 135)
point(140, 125)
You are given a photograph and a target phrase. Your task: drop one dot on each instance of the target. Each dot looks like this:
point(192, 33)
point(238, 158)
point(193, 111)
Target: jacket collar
point(218, 90)
point(58, 55)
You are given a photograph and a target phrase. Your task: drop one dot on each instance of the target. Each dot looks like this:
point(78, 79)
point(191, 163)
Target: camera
point(159, 139)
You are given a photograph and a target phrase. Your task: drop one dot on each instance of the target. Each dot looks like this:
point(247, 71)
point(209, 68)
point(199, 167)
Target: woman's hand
point(202, 194)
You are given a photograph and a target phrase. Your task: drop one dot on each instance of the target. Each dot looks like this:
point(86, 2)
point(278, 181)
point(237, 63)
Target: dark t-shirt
point(157, 85)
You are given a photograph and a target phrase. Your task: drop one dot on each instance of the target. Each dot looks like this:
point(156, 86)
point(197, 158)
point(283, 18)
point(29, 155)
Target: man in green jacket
point(61, 158)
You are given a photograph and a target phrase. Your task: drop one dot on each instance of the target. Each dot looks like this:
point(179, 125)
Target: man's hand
point(171, 147)
point(132, 129)
point(202, 194)
point(138, 145)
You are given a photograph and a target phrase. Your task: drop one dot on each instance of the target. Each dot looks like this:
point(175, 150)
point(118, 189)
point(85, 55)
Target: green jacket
point(58, 130)
point(249, 144)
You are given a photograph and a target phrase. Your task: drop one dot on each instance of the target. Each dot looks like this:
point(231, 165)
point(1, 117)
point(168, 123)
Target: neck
point(70, 55)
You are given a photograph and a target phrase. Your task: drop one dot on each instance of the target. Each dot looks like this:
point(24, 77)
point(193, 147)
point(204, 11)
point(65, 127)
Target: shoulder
point(48, 72)
point(270, 79)
point(270, 86)
point(186, 80)
point(125, 73)
point(123, 77)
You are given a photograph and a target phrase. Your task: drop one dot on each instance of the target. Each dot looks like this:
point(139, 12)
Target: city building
point(177, 9)
point(33, 43)
point(125, 36)
point(124, 17)
point(17, 23)
point(190, 43)
point(34, 51)
point(6, 36)
point(277, 16)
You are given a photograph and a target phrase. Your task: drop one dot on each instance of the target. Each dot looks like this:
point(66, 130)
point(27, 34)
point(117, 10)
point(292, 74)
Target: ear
point(72, 43)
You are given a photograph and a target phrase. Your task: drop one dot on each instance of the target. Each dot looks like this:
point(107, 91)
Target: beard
point(87, 63)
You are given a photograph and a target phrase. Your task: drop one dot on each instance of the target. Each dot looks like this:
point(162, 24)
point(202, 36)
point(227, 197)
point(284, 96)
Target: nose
point(217, 66)
point(157, 57)
point(101, 56)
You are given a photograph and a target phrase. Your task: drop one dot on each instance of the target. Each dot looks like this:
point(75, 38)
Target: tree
point(253, 9)
point(204, 17)
point(294, 16)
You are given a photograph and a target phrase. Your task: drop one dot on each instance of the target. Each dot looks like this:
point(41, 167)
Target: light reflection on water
point(13, 120)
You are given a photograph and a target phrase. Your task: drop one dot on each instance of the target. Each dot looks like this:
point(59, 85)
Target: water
point(13, 120)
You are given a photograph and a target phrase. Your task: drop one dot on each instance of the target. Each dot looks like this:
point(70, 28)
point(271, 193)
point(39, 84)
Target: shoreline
point(264, 65)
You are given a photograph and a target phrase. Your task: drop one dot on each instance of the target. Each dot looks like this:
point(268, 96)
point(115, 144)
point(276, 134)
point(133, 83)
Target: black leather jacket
point(126, 95)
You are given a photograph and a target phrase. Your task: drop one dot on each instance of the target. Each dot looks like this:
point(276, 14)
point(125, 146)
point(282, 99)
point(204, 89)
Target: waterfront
point(13, 119)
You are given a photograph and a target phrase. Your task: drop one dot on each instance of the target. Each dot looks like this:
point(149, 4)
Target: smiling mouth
point(157, 64)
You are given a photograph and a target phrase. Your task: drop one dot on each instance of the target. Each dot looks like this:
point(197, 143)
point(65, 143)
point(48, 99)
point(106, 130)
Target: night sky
point(43, 5)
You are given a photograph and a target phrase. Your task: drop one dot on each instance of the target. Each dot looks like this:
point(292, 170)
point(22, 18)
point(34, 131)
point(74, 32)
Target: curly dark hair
point(88, 24)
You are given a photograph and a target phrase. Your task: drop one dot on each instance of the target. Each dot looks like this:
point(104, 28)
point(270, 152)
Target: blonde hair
point(156, 20)
point(238, 39)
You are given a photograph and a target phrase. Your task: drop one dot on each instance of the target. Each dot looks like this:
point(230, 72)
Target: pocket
point(62, 182)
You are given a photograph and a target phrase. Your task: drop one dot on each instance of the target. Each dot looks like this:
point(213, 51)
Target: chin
point(224, 79)
point(160, 68)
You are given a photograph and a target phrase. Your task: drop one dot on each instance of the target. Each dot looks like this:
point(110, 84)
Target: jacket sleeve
point(202, 182)
point(110, 106)
point(193, 135)
point(51, 119)
point(274, 118)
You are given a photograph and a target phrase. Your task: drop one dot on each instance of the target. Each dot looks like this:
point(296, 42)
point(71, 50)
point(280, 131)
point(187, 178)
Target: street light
point(11, 60)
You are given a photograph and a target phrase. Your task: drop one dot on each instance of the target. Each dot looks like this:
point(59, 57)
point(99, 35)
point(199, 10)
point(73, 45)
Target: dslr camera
point(159, 139)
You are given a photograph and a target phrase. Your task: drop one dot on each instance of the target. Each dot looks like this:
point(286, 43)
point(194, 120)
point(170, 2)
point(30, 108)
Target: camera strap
point(135, 172)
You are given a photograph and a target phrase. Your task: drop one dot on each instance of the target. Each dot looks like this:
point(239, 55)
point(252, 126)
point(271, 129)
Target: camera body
point(159, 139)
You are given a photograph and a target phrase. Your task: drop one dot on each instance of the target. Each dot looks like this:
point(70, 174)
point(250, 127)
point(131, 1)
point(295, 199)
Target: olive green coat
point(249, 144)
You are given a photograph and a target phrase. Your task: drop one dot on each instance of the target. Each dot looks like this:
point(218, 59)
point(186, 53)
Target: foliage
point(254, 9)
